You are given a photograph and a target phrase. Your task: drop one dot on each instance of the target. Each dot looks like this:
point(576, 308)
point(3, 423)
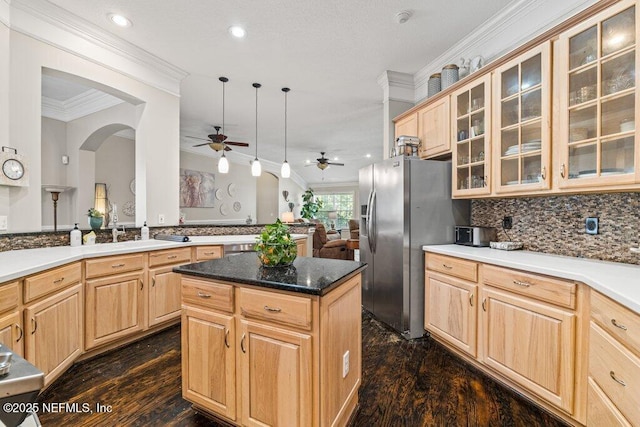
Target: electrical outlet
point(160, 219)
point(3, 222)
point(345, 364)
point(507, 222)
point(591, 225)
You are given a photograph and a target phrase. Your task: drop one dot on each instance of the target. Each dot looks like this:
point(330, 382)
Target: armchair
point(325, 248)
point(354, 229)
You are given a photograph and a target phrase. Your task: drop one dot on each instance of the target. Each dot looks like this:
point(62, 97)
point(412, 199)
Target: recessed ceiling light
point(368, 155)
point(119, 20)
point(335, 158)
point(308, 161)
point(237, 31)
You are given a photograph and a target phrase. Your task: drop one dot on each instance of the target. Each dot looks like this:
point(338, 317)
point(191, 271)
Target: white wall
point(4, 96)
point(115, 166)
point(239, 176)
point(267, 198)
point(157, 130)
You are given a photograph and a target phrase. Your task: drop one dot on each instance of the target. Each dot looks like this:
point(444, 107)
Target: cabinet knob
point(618, 325)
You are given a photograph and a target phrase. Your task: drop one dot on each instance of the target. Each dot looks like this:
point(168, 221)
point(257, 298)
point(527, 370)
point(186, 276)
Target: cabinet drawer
point(207, 294)
point(52, 280)
point(169, 256)
point(275, 307)
point(9, 296)
point(543, 288)
point(616, 371)
point(620, 322)
point(208, 252)
point(601, 411)
point(114, 265)
point(457, 267)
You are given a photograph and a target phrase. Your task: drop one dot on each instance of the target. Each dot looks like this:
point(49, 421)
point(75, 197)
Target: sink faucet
point(115, 232)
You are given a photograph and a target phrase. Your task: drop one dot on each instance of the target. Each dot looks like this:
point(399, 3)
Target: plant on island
point(274, 245)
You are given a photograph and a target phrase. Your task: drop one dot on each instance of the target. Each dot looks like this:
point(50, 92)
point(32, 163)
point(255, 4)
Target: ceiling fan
point(218, 141)
point(324, 163)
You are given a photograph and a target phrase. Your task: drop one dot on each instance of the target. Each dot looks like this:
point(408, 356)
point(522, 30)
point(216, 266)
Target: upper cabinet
point(597, 144)
point(407, 126)
point(470, 117)
point(434, 128)
point(521, 134)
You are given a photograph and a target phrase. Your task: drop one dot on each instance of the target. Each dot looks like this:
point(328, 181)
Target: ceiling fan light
point(286, 170)
point(323, 166)
point(256, 169)
point(223, 164)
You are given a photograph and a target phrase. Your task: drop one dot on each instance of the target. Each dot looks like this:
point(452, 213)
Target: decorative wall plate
point(237, 206)
point(129, 208)
point(132, 186)
point(231, 189)
point(224, 210)
point(14, 170)
point(219, 194)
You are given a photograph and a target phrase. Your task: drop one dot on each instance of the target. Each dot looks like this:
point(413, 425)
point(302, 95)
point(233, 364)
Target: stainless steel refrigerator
point(408, 205)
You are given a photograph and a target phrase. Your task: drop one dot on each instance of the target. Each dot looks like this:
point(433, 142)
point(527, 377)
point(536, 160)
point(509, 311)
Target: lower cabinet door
point(53, 336)
point(276, 376)
point(164, 295)
point(531, 343)
point(11, 333)
point(208, 361)
point(114, 308)
point(450, 310)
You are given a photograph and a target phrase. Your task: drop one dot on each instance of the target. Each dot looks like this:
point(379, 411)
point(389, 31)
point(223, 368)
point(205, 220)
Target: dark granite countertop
point(314, 276)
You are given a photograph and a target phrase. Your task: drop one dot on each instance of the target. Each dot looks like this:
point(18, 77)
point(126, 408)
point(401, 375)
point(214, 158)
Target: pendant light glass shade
point(223, 164)
point(256, 169)
point(286, 169)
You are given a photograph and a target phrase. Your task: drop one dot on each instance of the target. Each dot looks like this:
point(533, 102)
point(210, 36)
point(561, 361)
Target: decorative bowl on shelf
point(275, 247)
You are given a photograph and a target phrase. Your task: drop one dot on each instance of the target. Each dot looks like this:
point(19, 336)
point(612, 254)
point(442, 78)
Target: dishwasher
point(238, 248)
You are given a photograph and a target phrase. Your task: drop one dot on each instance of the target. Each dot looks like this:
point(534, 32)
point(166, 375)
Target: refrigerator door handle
point(367, 215)
point(373, 225)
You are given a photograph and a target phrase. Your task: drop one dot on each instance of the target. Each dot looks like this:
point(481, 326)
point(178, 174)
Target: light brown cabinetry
point(434, 129)
point(53, 331)
point(114, 298)
point(263, 350)
point(522, 122)
point(597, 59)
point(204, 253)
point(407, 126)
point(301, 247)
point(614, 364)
point(163, 300)
point(11, 332)
point(471, 138)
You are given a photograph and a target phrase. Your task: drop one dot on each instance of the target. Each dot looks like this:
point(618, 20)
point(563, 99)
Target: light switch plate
point(160, 219)
point(3, 222)
point(591, 225)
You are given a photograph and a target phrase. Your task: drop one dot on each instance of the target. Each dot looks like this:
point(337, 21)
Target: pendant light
point(286, 170)
point(256, 169)
point(223, 163)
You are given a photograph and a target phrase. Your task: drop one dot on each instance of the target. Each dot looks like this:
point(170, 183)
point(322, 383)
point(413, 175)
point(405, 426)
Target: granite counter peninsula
point(274, 346)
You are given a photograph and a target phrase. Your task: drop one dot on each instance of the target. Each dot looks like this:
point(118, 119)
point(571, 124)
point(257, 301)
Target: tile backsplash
point(556, 224)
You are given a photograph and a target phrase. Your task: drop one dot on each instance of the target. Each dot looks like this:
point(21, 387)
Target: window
point(341, 204)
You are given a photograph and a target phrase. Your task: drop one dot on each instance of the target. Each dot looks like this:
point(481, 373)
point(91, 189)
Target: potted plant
point(310, 205)
point(95, 218)
point(275, 247)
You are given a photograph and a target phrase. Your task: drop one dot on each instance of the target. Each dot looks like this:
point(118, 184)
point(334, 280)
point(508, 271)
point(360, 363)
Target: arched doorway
point(267, 198)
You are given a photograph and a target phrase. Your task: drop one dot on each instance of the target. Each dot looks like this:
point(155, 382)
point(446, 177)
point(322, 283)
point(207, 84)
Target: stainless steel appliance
point(407, 204)
point(475, 236)
point(19, 388)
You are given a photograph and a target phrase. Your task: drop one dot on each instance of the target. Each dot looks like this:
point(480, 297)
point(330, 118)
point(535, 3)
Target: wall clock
point(14, 170)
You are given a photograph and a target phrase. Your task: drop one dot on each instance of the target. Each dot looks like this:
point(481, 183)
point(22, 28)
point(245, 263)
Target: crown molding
point(502, 33)
point(397, 86)
point(28, 17)
point(81, 105)
point(245, 159)
point(5, 13)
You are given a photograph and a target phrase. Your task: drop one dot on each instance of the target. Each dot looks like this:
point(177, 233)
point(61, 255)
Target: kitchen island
point(272, 346)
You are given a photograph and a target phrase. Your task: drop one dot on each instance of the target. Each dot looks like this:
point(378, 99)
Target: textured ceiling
point(330, 53)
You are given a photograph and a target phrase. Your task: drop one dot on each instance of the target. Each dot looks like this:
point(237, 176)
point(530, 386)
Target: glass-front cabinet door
point(598, 114)
point(471, 138)
point(522, 131)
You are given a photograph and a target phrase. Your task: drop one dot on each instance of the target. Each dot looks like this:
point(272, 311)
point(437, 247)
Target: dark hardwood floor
point(415, 383)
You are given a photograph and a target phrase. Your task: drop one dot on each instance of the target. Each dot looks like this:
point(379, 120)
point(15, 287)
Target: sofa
point(323, 247)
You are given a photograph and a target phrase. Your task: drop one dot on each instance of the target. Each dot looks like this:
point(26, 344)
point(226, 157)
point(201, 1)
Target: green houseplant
point(310, 205)
point(95, 218)
point(275, 247)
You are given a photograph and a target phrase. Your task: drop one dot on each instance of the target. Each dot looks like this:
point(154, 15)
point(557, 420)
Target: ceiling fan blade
point(195, 137)
point(335, 164)
point(227, 148)
point(200, 145)
point(238, 144)
point(310, 164)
